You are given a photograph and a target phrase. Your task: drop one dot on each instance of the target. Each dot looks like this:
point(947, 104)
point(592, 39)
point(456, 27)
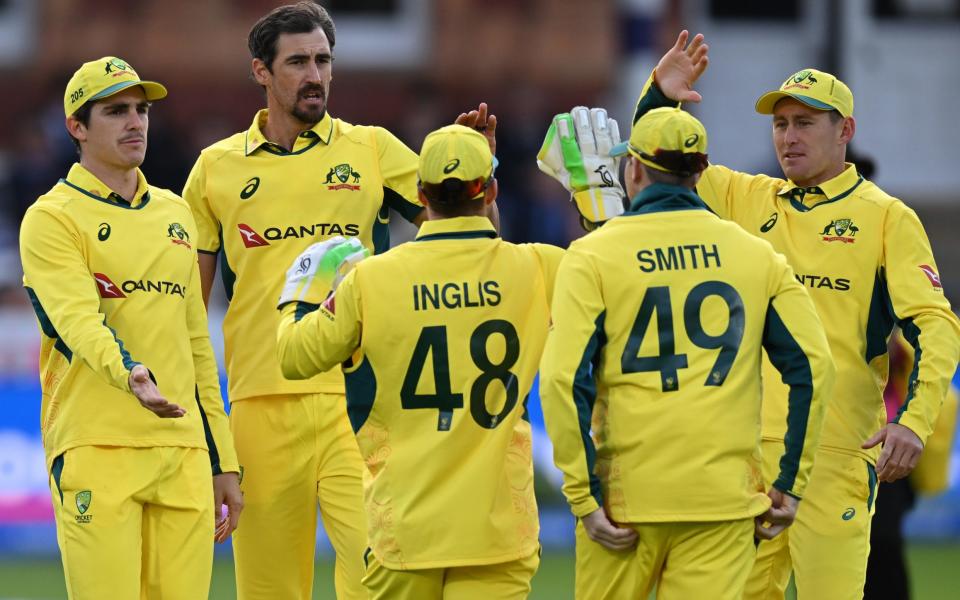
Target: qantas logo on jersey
point(252, 239)
point(840, 227)
point(932, 276)
point(343, 173)
point(106, 287)
point(158, 287)
point(823, 282)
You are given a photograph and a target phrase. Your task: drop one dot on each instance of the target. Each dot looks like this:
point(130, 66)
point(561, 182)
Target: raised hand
point(480, 120)
point(681, 67)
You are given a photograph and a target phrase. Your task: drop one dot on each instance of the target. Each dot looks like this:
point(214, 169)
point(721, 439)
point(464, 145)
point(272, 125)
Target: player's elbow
point(291, 363)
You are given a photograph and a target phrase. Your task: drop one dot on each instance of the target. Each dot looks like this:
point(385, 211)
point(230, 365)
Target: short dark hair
point(82, 114)
point(687, 180)
point(835, 116)
point(677, 163)
point(456, 198)
point(302, 17)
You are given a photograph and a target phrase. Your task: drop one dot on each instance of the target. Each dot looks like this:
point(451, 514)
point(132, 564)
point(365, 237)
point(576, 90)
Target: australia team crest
point(840, 230)
point(347, 177)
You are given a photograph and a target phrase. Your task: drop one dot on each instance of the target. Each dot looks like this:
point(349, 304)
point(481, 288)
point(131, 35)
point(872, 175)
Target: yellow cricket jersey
point(445, 333)
point(866, 262)
point(259, 207)
point(115, 285)
point(658, 322)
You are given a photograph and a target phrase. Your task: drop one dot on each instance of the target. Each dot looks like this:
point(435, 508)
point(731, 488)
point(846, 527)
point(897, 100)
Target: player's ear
point(76, 129)
point(491, 194)
point(260, 71)
point(847, 130)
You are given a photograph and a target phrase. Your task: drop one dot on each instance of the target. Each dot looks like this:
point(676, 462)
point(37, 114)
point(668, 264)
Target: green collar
point(835, 189)
point(663, 197)
point(321, 132)
point(88, 184)
point(456, 228)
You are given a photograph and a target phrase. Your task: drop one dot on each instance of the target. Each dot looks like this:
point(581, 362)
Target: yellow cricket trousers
point(685, 561)
point(296, 451)
point(134, 522)
point(827, 545)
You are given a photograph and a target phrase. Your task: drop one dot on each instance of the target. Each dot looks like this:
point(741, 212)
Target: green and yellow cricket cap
point(455, 152)
point(105, 77)
point(662, 136)
point(814, 88)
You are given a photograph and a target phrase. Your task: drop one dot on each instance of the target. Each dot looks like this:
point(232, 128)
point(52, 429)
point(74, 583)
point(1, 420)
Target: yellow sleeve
point(549, 257)
point(796, 344)
point(398, 167)
point(216, 428)
point(64, 294)
point(568, 373)
point(312, 339)
point(920, 308)
point(195, 193)
point(932, 474)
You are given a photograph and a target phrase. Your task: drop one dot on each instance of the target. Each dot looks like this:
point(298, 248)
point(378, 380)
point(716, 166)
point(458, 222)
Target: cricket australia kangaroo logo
point(342, 173)
point(843, 230)
point(83, 499)
point(178, 235)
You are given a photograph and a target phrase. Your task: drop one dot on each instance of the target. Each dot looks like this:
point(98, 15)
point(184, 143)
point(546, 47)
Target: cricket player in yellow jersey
point(440, 340)
point(865, 260)
point(132, 419)
point(260, 197)
point(650, 383)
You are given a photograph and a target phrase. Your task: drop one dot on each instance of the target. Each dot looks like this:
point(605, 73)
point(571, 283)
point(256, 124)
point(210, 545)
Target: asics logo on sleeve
point(770, 223)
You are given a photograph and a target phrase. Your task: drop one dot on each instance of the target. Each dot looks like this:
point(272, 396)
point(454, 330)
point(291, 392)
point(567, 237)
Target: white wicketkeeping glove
point(320, 269)
point(576, 152)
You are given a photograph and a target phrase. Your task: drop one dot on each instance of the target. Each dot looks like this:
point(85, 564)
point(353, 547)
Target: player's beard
point(310, 115)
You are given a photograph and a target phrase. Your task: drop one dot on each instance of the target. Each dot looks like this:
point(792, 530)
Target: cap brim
point(621, 149)
point(768, 101)
point(151, 89)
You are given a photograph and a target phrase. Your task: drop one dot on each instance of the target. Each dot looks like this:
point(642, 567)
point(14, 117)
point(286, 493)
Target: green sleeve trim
point(303, 309)
point(584, 396)
point(381, 230)
point(794, 366)
point(128, 362)
point(227, 276)
point(911, 333)
point(56, 470)
point(408, 210)
point(208, 434)
point(654, 98)
point(880, 319)
point(46, 326)
point(361, 388)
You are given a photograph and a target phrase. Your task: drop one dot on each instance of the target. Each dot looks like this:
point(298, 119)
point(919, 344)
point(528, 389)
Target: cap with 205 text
point(102, 78)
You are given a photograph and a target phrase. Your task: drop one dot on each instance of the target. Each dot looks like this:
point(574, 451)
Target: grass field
point(935, 571)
